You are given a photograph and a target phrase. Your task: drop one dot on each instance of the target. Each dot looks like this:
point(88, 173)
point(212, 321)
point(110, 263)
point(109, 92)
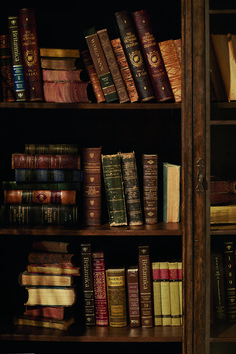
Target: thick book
point(174, 294)
point(39, 197)
point(132, 277)
point(59, 53)
point(59, 63)
point(230, 280)
point(35, 279)
point(17, 59)
point(14, 186)
point(7, 82)
point(223, 214)
point(100, 295)
point(51, 162)
point(145, 284)
point(152, 56)
point(100, 64)
point(116, 297)
point(51, 296)
point(55, 258)
point(87, 282)
point(150, 188)
point(218, 287)
point(114, 189)
point(113, 66)
point(53, 269)
point(134, 55)
point(156, 283)
point(52, 149)
point(62, 75)
point(165, 294)
point(171, 192)
point(131, 187)
point(30, 53)
point(52, 246)
point(53, 312)
point(42, 175)
point(223, 192)
point(67, 92)
point(26, 320)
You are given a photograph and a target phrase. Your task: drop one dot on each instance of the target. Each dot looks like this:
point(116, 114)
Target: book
point(62, 75)
point(53, 269)
point(131, 188)
point(42, 175)
point(54, 312)
point(230, 280)
point(116, 297)
point(223, 192)
point(132, 277)
point(134, 55)
point(100, 64)
point(59, 53)
point(59, 63)
point(37, 279)
point(180, 280)
point(113, 66)
point(150, 188)
point(17, 60)
point(87, 281)
point(174, 294)
point(8, 91)
point(145, 285)
point(39, 197)
point(30, 54)
point(218, 287)
point(223, 214)
point(67, 92)
point(51, 246)
point(165, 294)
point(114, 189)
point(52, 149)
point(153, 57)
point(53, 162)
point(171, 192)
point(14, 186)
point(100, 295)
point(55, 258)
point(156, 293)
point(43, 322)
point(51, 296)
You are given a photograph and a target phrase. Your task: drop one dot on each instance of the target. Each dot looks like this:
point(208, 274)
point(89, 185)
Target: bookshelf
point(164, 128)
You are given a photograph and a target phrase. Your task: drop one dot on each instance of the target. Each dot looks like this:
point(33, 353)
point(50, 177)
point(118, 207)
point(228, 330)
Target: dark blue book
point(31, 175)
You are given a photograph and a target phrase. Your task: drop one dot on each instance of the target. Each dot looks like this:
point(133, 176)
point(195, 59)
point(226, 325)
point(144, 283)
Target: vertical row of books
point(135, 66)
point(152, 291)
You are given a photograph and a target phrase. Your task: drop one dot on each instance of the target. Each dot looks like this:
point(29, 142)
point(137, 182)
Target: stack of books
point(46, 190)
point(50, 280)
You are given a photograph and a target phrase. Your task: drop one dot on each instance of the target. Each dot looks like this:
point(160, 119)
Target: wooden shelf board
point(225, 332)
point(159, 229)
point(95, 334)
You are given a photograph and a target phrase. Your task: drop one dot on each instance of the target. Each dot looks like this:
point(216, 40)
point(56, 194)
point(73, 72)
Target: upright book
point(132, 276)
point(6, 69)
point(171, 191)
point(150, 188)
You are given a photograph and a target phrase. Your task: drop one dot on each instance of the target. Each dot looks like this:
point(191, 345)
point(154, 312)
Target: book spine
point(165, 294)
point(66, 92)
point(150, 188)
point(145, 285)
point(171, 192)
point(134, 55)
point(218, 287)
point(100, 296)
point(180, 279)
point(39, 175)
point(90, 68)
point(53, 312)
point(113, 66)
point(13, 185)
point(223, 187)
point(116, 297)
point(114, 189)
point(87, 281)
point(100, 64)
point(153, 56)
point(174, 294)
point(230, 280)
point(156, 293)
point(53, 162)
point(51, 149)
point(30, 53)
point(17, 61)
point(133, 296)
point(39, 197)
point(62, 75)
point(6, 69)
point(125, 70)
point(51, 258)
point(172, 65)
point(131, 186)
point(92, 173)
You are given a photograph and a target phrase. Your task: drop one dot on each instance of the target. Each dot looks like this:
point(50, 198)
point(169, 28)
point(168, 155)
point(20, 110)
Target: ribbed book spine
point(51, 149)
point(39, 197)
point(132, 276)
point(6, 69)
point(53, 162)
point(150, 188)
point(131, 185)
point(114, 189)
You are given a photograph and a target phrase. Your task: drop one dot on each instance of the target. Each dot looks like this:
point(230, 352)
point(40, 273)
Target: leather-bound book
point(132, 277)
point(42, 175)
point(52, 162)
point(134, 55)
point(150, 188)
point(230, 280)
point(30, 52)
point(113, 66)
point(100, 64)
point(146, 302)
point(153, 56)
point(8, 91)
point(52, 149)
point(17, 61)
point(218, 287)
point(39, 197)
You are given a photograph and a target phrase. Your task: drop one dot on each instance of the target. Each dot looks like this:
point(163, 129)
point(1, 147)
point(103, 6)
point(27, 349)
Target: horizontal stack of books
point(46, 190)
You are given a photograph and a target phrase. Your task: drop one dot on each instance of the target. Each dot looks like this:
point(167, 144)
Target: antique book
point(51, 296)
point(174, 294)
point(37, 279)
point(113, 66)
point(114, 189)
point(100, 295)
point(134, 55)
point(152, 56)
point(223, 192)
point(51, 246)
point(14, 186)
point(218, 90)
point(150, 188)
point(17, 59)
point(92, 186)
point(165, 294)
point(87, 282)
point(59, 63)
point(91, 71)
point(53, 269)
point(218, 287)
point(59, 53)
point(180, 280)
point(62, 75)
point(172, 65)
point(42, 175)
point(39, 197)
point(132, 277)
point(44, 322)
point(67, 259)
point(116, 297)
point(52, 149)
point(171, 192)
point(52, 162)
point(30, 52)
point(156, 293)
point(67, 92)
point(230, 280)
point(6, 69)
point(53, 312)
point(124, 69)
point(131, 187)
point(223, 214)
point(145, 285)
point(100, 64)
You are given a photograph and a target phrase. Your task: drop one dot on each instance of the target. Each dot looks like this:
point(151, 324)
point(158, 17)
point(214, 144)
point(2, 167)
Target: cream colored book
point(156, 293)
point(174, 294)
point(165, 294)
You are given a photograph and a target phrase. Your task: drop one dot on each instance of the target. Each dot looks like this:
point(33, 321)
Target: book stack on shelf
point(50, 281)
point(46, 190)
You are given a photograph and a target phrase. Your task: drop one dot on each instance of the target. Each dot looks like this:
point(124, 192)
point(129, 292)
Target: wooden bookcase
point(164, 128)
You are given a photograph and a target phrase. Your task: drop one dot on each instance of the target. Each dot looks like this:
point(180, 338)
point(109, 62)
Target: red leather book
point(52, 162)
point(30, 52)
point(150, 188)
point(6, 69)
point(153, 56)
point(39, 197)
point(133, 296)
point(55, 312)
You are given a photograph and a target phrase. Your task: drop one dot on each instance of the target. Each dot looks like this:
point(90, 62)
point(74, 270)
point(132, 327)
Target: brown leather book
point(150, 188)
point(30, 51)
point(6, 69)
point(39, 197)
point(132, 277)
point(153, 56)
point(25, 161)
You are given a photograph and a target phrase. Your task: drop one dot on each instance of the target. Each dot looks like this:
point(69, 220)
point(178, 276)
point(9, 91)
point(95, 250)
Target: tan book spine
point(156, 293)
point(174, 294)
point(165, 294)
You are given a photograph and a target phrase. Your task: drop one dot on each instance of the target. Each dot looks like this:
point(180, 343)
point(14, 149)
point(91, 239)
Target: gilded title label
point(136, 58)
